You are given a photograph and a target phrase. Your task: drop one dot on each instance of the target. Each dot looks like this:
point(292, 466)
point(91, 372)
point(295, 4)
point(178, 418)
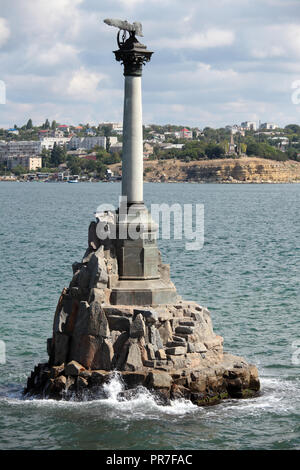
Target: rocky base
point(231, 378)
point(170, 349)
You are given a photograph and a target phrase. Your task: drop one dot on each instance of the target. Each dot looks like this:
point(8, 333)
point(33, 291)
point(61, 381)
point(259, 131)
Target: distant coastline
point(231, 170)
point(224, 171)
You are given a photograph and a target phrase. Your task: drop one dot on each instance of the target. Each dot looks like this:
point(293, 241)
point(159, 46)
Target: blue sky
point(215, 63)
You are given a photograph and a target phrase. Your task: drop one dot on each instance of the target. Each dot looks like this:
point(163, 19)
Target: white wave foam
point(277, 396)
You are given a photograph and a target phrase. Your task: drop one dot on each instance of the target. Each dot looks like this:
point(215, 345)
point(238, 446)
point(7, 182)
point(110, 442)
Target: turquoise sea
point(247, 274)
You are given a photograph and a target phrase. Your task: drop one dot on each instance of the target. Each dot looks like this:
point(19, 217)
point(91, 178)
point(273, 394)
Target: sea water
point(247, 274)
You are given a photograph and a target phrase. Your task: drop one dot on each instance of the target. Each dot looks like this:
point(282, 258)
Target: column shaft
point(132, 157)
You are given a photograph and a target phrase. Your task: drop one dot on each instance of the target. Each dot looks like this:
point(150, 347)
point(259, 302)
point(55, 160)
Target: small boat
point(73, 181)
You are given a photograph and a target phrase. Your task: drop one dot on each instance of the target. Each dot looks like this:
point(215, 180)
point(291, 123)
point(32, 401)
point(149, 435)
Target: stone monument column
point(133, 55)
point(142, 279)
point(132, 167)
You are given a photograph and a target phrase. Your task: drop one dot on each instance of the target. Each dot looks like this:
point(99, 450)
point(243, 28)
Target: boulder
point(91, 320)
point(165, 332)
point(118, 323)
point(84, 348)
point(134, 359)
point(158, 380)
point(104, 356)
point(161, 354)
point(84, 278)
point(99, 377)
point(55, 371)
point(137, 327)
point(134, 379)
point(185, 330)
point(98, 270)
point(93, 240)
point(73, 368)
point(61, 348)
point(150, 315)
point(178, 351)
point(150, 352)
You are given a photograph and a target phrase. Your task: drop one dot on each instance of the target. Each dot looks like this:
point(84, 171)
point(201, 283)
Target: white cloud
point(4, 31)
point(215, 61)
point(213, 37)
point(59, 53)
point(279, 40)
point(84, 84)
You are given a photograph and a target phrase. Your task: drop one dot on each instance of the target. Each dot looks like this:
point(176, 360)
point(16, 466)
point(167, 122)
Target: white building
point(269, 126)
point(22, 148)
point(249, 125)
point(29, 163)
point(117, 147)
point(48, 142)
point(86, 143)
point(115, 126)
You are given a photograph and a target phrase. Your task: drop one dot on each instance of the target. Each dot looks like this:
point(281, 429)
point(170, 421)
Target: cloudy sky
point(216, 62)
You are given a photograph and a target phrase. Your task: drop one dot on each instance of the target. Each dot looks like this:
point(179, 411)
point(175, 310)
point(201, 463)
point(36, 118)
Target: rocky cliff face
point(170, 349)
point(242, 170)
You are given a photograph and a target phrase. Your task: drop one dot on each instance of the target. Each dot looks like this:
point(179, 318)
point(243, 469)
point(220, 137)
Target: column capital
point(133, 55)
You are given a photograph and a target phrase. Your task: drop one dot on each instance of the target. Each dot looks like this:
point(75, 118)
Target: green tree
point(29, 124)
point(58, 155)
point(213, 151)
point(19, 170)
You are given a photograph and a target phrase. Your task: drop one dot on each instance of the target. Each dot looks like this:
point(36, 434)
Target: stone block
point(175, 344)
point(93, 240)
point(150, 352)
point(97, 269)
point(137, 327)
point(61, 348)
point(84, 348)
point(120, 347)
point(73, 368)
point(179, 339)
point(134, 379)
point(160, 354)
point(72, 317)
point(151, 364)
point(49, 346)
point(104, 356)
point(119, 323)
point(55, 371)
point(91, 320)
point(185, 330)
point(185, 322)
point(125, 311)
point(179, 362)
point(213, 343)
point(165, 332)
point(134, 359)
point(84, 278)
point(159, 380)
point(178, 351)
point(150, 315)
point(99, 377)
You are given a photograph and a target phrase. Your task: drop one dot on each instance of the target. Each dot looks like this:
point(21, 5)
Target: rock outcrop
point(227, 170)
point(170, 349)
